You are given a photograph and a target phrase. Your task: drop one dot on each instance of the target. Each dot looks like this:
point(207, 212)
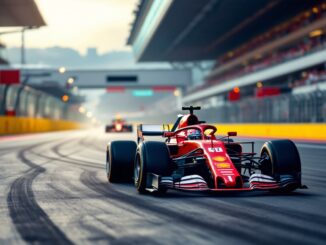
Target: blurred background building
point(19, 96)
point(245, 61)
point(268, 56)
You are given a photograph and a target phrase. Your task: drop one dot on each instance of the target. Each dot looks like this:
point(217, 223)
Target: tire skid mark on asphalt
point(63, 158)
point(25, 171)
point(93, 145)
point(60, 194)
point(294, 214)
point(70, 161)
point(90, 144)
point(15, 175)
point(126, 208)
point(31, 222)
point(56, 150)
point(97, 195)
point(113, 203)
point(89, 141)
point(90, 180)
point(129, 207)
point(232, 210)
point(139, 239)
point(112, 239)
point(100, 235)
point(65, 184)
point(276, 223)
point(13, 149)
point(55, 186)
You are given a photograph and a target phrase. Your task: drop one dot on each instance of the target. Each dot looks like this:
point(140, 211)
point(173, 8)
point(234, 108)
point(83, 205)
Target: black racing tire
point(128, 128)
point(281, 158)
point(151, 157)
point(120, 161)
point(108, 128)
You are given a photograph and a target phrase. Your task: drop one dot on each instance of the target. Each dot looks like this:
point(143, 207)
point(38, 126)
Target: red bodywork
point(119, 125)
point(217, 159)
point(200, 161)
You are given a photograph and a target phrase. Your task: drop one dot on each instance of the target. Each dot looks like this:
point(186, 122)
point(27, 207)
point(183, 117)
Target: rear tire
point(151, 157)
point(281, 158)
point(119, 161)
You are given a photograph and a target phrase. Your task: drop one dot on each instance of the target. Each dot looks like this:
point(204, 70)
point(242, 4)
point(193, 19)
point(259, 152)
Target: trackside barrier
point(295, 131)
point(299, 131)
point(24, 125)
point(309, 107)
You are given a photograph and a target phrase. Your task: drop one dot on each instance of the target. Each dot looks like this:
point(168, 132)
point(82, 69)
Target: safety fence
point(301, 116)
point(286, 108)
point(23, 101)
point(301, 108)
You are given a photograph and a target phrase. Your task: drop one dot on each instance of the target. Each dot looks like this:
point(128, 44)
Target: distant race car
point(193, 158)
point(118, 125)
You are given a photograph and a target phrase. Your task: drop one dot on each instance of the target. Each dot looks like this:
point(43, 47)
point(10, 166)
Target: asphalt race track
point(54, 189)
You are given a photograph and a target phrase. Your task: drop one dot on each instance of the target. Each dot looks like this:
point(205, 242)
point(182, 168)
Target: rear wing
point(151, 130)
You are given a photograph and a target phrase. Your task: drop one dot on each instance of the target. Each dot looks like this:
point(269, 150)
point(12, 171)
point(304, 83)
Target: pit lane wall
point(295, 131)
point(25, 125)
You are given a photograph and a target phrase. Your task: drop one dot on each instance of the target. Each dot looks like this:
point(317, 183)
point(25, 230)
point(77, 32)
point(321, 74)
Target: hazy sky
point(79, 24)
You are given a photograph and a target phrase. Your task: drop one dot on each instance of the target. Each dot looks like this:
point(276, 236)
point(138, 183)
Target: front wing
point(197, 183)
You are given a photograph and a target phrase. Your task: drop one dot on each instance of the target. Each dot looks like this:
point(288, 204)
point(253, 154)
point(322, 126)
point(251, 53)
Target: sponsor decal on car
point(215, 149)
point(219, 159)
point(223, 165)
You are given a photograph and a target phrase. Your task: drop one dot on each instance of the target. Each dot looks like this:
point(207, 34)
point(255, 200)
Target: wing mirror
point(232, 134)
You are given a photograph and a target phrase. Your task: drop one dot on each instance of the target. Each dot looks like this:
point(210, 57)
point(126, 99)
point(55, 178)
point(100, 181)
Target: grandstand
point(269, 56)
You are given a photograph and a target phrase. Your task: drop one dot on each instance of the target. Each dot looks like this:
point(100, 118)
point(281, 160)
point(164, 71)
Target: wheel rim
point(137, 170)
point(266, 164)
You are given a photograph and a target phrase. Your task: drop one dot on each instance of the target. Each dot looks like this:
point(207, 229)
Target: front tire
point(119, 161)
point(151, 157)
point(281, 158)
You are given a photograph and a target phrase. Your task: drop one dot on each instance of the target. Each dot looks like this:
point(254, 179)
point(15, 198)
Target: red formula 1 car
point(118, 125)
point(193, 158)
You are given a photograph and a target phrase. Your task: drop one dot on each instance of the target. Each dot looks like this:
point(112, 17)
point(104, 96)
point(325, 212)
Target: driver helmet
point(194, 134)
